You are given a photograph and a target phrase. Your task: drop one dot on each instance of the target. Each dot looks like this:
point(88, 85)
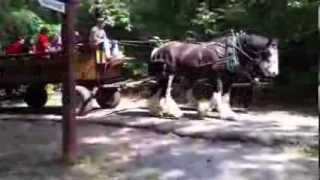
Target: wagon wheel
point(83, 99)
point(36, 96)
point(108, 97)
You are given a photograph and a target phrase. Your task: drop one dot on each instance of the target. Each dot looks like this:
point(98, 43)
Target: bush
point(135, 69)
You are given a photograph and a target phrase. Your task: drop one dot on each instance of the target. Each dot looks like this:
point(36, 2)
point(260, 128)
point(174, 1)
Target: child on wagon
point(42, 42)
point(15, 47)
point(99, 40)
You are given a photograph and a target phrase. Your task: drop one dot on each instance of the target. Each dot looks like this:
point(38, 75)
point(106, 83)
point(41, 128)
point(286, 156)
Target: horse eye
point(266, 55)
point(273, 45)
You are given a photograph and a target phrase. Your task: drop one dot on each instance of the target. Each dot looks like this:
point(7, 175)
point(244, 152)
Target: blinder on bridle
point(255, 54)
point(255, 50)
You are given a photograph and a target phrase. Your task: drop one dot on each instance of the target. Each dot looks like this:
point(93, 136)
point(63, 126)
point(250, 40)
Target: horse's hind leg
point(158, 93)
point(154, 103)
point(162, 103)
point(167, 103)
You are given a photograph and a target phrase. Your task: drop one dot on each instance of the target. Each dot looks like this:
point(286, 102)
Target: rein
point(238, 47)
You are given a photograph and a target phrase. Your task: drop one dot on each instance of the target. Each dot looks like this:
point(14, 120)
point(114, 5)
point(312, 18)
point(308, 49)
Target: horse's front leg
point(228, 112)
point(162, 103)
point(221, 99)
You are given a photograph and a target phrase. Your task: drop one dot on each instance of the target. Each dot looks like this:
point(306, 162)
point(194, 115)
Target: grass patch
point(135, 69)
point(311, 152)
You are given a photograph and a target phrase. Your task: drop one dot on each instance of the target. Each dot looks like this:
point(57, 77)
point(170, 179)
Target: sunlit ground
point(32, 150)
point(277, 142)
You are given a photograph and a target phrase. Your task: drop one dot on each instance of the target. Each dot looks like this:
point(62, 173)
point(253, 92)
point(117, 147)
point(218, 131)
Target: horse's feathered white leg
point(217, 100)
point(168, 104)
point(203, 108)
point(223, 106)
point(230, 114)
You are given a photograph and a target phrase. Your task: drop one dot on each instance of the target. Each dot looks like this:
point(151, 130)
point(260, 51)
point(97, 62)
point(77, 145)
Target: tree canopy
point(293, 22)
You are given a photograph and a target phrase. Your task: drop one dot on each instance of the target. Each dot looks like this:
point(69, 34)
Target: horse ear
point(257, 41)
point(273, 42)
point(244, 38)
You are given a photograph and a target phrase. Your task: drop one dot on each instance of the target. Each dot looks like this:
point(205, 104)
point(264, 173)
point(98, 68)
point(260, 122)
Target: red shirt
point(14, 48)
point(42, 43)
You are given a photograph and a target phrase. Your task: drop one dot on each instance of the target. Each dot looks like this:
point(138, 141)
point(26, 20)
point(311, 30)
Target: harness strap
point(237, 46)
point(231, 53)
point(245, 54)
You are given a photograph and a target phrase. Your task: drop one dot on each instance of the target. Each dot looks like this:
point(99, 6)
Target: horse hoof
point(201, 115)
point(177, 114)
point(170, 116)
point(229, 116)
point(156, 115)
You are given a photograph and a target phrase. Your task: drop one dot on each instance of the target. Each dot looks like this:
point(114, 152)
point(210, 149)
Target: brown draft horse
point(209, 62)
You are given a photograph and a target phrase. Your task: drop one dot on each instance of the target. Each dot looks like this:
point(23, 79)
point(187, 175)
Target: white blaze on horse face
point(264, 66)
point(273, 61)
point(270, 67)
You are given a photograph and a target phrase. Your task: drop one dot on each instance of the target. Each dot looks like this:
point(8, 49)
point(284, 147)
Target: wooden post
point(69, 122)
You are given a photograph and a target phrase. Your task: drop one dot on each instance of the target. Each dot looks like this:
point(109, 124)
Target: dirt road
point(127, 143)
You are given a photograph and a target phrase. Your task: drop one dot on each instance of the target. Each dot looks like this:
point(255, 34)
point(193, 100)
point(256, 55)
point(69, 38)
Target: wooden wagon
point(94, 79)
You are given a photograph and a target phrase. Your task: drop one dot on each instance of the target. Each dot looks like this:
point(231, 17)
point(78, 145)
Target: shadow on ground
point(110, 153)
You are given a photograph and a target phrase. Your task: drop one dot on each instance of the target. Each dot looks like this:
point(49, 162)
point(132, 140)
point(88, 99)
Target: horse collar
point(231, 53)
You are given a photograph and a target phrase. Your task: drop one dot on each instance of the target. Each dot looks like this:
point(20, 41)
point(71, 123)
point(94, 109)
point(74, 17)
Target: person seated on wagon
point(15, 47)
point(28, 47)
point(99, 40)
point(77, 39)
point(56, 44)
point(42, 42)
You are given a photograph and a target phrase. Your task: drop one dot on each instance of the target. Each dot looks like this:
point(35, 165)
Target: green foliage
point(25, 22)
point(135, 69)
point(19, 18)
point(312, 152)
point(168, 19)
point(293, 22)
point(115, 12)
point(205, 21)
point(19, 23)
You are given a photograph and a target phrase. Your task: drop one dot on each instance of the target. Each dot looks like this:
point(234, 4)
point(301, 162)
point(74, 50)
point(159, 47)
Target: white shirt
point(97, 35)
